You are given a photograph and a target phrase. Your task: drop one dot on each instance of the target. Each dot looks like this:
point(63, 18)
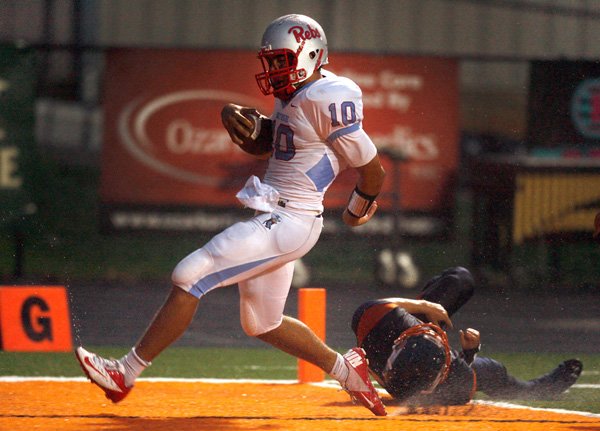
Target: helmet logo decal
point(302, 34)
point(300, 48)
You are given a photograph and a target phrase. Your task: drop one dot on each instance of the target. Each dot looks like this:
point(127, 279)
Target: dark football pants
point(452, 289)
point(494, 380)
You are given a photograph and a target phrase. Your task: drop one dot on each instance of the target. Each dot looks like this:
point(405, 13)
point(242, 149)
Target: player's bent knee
point(191, 269)
point(257, 330)
point(254, 328)
point(459, 277)
point(467, 282)
point(253, 325)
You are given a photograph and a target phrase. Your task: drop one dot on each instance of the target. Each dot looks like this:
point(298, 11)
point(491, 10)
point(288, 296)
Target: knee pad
point(467, 282)
point(249, 322)
point(191, 269)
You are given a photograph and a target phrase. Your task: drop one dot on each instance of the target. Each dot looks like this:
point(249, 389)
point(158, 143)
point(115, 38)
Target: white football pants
point(259, 255)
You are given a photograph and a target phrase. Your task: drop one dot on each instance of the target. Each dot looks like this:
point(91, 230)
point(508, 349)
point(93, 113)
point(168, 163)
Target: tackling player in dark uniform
point(410, 357)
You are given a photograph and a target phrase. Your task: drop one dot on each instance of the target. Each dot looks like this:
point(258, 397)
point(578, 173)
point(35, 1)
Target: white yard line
point(517, 406)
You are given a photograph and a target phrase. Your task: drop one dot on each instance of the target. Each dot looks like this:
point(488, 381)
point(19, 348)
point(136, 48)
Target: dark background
point(558, 322)
point(544, 297)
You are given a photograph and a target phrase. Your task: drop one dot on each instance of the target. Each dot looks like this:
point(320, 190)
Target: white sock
point(133, 366)
point(340, 369)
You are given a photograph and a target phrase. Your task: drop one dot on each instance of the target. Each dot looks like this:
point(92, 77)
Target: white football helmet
point(293, 47)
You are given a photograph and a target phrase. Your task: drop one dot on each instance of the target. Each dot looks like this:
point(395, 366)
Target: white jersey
point(317, 134)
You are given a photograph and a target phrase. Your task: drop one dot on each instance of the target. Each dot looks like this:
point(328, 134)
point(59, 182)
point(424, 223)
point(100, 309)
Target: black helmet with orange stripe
point(419, 362)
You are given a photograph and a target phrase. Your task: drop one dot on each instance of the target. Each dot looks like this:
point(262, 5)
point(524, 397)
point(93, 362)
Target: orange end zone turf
point(198, 406)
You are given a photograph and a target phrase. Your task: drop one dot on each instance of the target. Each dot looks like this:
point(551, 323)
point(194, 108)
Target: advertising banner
point(564, 109)
point(168, 163)
point(411, 111)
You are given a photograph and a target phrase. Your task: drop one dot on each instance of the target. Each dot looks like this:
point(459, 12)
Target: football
point(259, 143)
point(256, 122)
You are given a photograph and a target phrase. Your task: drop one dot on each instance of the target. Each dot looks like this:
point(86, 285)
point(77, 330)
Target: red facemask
point(279, 76)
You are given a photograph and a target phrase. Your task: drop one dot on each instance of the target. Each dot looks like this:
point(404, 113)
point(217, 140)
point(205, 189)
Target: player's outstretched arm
point(362, 205)
point(433, 311)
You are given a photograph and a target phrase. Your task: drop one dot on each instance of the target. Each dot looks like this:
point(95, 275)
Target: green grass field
point(264, 363)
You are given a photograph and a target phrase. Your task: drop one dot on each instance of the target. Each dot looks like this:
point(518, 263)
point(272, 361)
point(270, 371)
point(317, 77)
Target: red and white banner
point(164, 144)
point(410, 108)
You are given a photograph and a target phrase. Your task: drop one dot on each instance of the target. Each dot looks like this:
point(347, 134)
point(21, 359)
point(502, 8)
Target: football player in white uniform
point(314, 133)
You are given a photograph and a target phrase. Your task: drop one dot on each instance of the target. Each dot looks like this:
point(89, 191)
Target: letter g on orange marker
point(34, 318)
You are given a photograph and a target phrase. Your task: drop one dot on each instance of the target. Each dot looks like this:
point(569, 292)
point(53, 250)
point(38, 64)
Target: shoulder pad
point(333, 88)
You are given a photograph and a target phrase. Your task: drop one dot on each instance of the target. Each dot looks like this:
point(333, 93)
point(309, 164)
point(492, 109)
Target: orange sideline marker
point(34, 318)
point(311, 311)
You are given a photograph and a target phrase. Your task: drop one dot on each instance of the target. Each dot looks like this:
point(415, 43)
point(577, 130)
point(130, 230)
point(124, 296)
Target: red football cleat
point(358, 384)
point(105, 373)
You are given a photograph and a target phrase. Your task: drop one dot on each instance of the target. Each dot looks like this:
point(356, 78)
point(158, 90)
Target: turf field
point(55, 252)
point(159, 405)
point(268, 364)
